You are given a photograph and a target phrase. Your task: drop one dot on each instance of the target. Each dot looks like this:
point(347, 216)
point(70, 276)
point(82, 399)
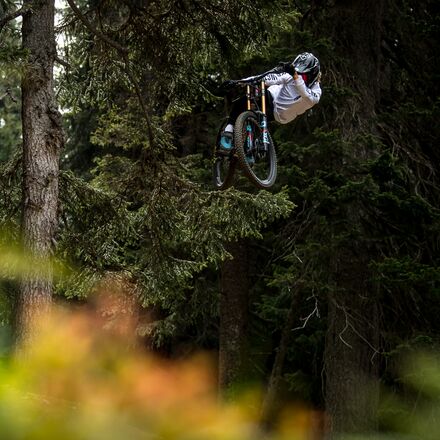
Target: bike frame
point(252, 92)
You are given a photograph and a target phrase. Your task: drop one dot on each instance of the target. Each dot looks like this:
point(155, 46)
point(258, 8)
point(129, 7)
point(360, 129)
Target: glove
point(287, 67)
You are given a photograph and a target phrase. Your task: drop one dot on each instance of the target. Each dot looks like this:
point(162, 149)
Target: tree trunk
point(233, 317)
point(351, 367)
point(270, 406)
point(42, 140)
point(351, 359)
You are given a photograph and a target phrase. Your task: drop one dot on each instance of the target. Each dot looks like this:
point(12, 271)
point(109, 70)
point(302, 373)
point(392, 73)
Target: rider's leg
point(239, 106)
point(269, 106)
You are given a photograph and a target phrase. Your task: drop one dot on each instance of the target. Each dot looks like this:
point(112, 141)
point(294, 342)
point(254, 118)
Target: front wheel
point(257, 160)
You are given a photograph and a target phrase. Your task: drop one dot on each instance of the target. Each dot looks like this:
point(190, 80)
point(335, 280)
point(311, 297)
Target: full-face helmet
point(307, 65)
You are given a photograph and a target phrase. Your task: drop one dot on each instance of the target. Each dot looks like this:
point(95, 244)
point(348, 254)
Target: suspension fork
point(249, 137)
point(263, 122)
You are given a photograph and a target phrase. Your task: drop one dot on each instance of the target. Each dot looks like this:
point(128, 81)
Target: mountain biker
point(293, 91)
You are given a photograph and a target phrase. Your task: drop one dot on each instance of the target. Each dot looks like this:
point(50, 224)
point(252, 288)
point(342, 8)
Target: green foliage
point(362, 191)
point(162, 236)
point(10, 111)
point(142, 214)
point(412, 411)
point(161, 38)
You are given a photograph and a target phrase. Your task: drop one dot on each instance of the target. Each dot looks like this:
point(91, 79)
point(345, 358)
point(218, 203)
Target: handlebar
point(259, 77)
point(228, 85)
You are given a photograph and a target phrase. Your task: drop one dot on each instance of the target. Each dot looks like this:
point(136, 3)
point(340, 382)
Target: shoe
point(226, 141)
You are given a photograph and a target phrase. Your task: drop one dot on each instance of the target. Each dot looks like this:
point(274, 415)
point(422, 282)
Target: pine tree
point(42, 141)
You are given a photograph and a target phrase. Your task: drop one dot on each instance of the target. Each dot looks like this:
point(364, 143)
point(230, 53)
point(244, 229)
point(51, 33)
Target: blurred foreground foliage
point(85, 377)
point(81, 379)
point(414, 411)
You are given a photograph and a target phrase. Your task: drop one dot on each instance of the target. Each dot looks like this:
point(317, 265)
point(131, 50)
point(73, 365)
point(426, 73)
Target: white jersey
point(291, 97)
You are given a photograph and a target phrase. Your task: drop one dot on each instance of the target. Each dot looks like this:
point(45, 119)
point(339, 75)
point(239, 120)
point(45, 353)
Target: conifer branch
point(141, 101)
point(93, 29)
point(124, 52)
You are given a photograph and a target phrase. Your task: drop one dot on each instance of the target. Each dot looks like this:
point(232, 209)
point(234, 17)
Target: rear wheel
point(224, 164)
point(258, 161)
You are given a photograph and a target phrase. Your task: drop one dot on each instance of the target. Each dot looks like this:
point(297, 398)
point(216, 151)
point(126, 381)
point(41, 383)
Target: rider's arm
point(277, 78)
point(312, 95)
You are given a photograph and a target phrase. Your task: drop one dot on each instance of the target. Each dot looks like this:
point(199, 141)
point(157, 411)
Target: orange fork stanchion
point(248, 96)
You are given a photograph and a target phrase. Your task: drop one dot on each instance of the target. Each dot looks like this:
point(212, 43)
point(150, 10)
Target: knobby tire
point(260, 180)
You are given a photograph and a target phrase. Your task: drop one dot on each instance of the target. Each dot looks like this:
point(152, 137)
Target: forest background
point(318, 291)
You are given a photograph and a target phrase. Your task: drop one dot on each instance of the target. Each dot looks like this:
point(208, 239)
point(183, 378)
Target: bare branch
point(314, 312)
point(61, 62)
point(8, 93)
point(348, 324)
point(12, 15)
point(344, 330)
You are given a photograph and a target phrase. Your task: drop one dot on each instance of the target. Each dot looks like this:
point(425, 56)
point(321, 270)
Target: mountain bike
point(253, 150)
